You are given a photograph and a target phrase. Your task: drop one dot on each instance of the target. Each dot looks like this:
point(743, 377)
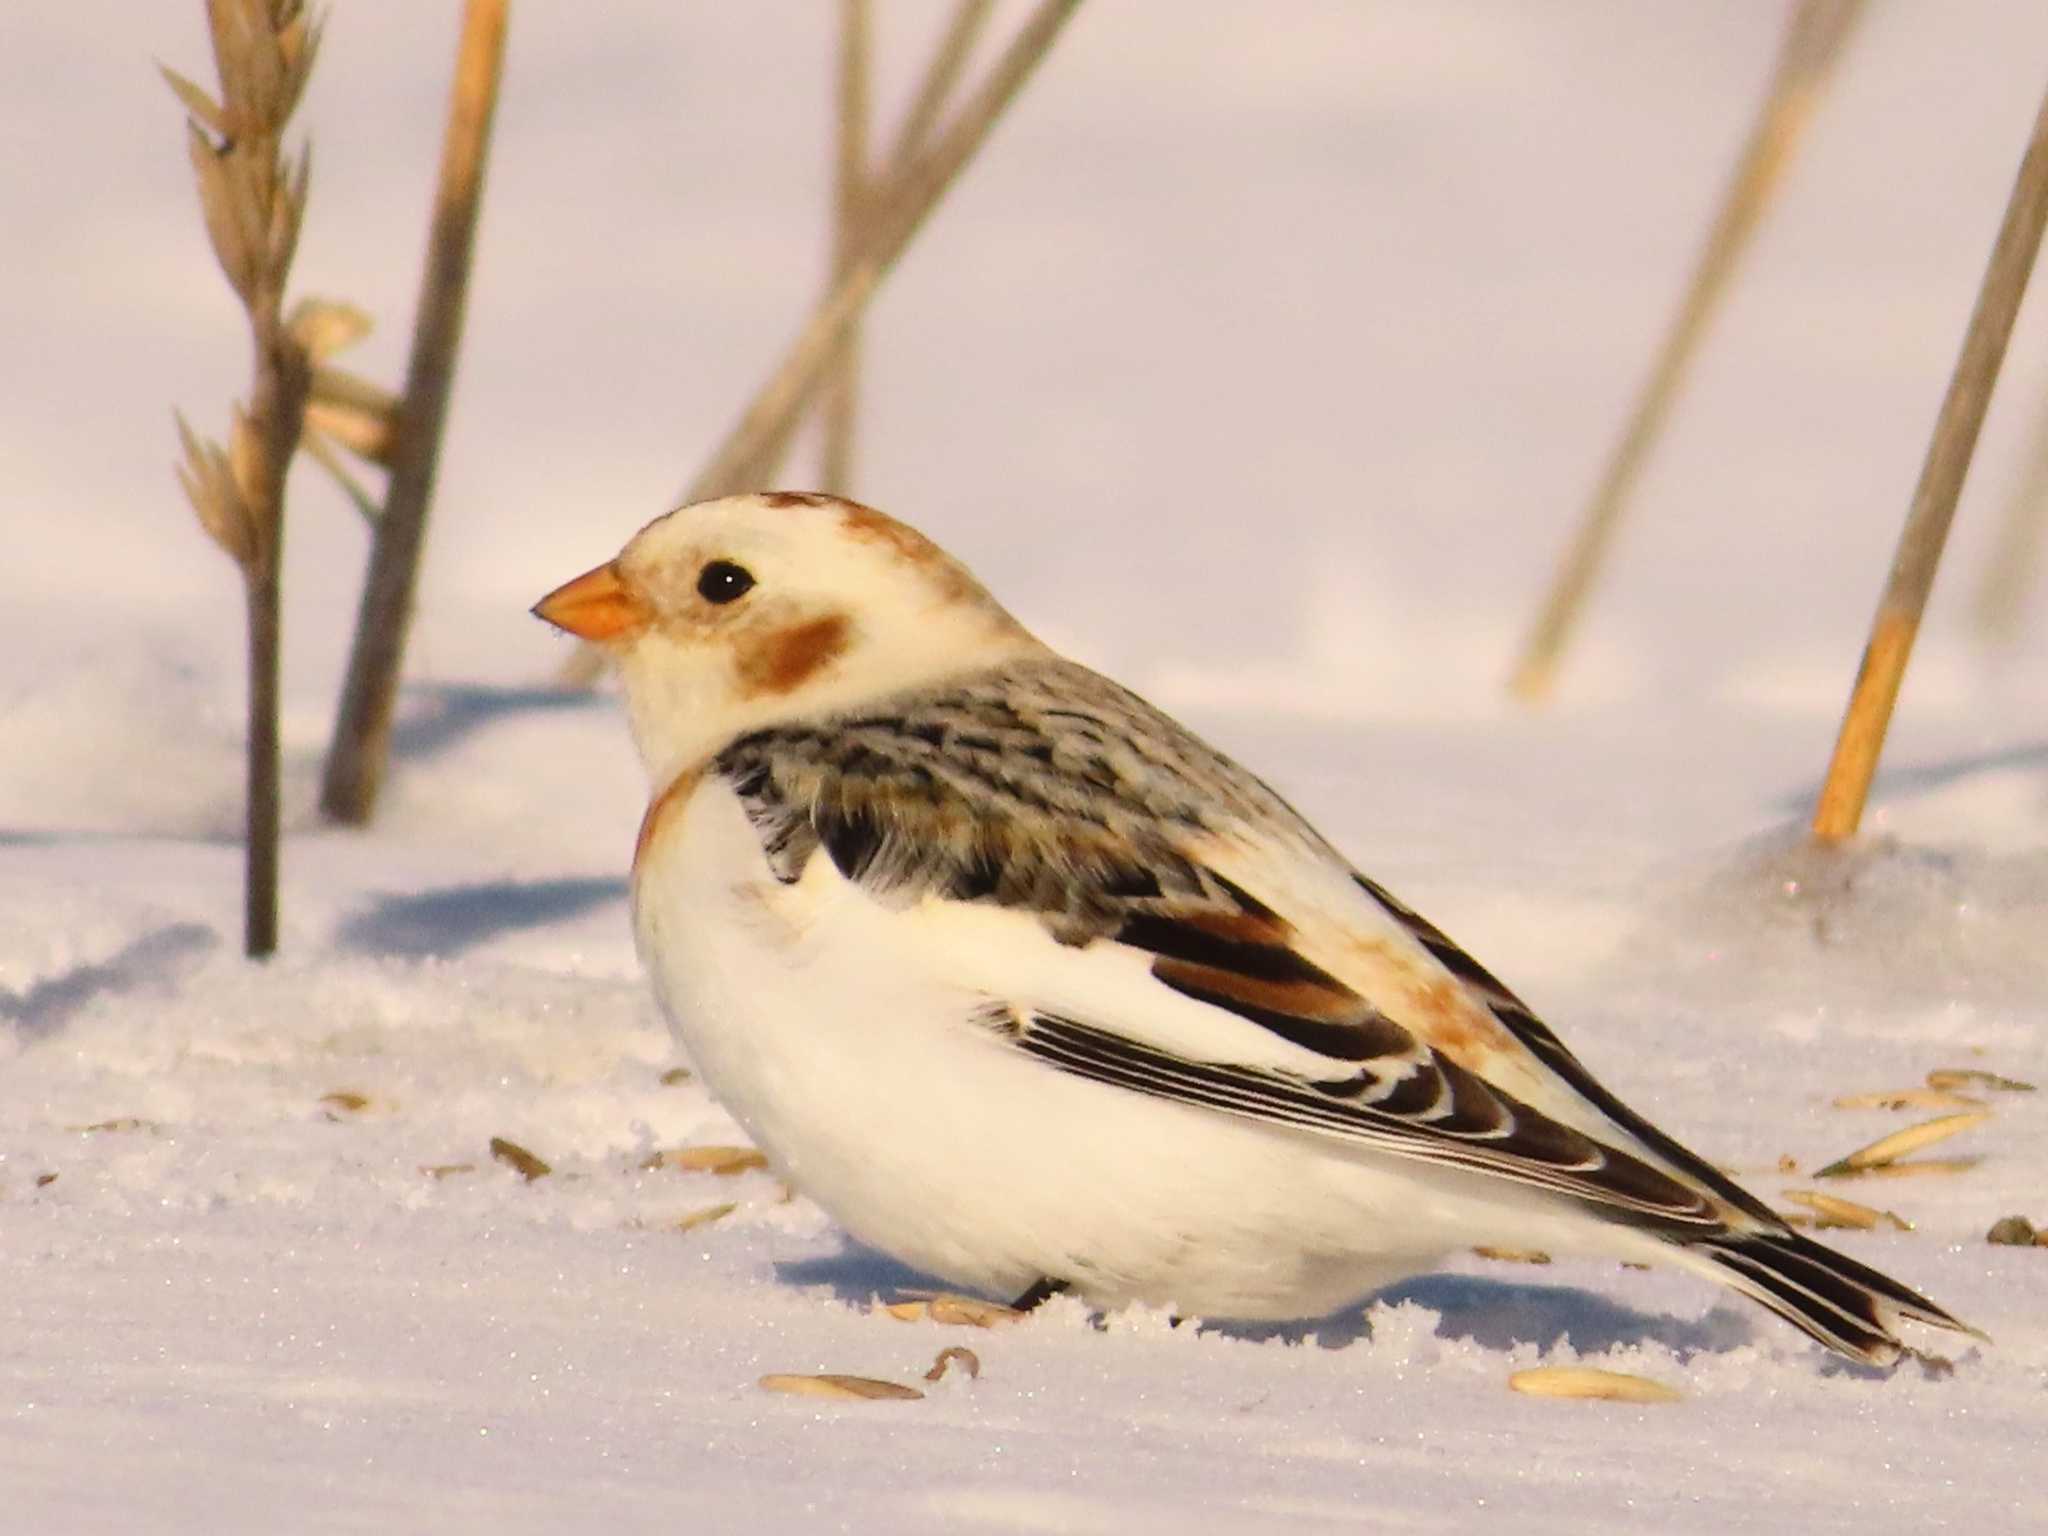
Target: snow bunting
point(1031, 988)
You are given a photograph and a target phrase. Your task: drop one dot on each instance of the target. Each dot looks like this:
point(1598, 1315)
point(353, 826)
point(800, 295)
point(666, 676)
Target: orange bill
point(597, 605)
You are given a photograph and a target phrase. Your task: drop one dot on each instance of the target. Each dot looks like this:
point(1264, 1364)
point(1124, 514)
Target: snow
point(1262, 363)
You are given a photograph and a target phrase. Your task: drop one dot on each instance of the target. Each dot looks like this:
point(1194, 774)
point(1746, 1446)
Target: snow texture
point(1262, 362)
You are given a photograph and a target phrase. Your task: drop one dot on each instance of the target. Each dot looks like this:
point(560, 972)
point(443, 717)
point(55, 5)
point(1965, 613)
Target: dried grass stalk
point(252, 196)
point(941, 75)
point(839, 410)
point(1897, 623)
point(1813, 43)
point(747, 456)
point(362, 731)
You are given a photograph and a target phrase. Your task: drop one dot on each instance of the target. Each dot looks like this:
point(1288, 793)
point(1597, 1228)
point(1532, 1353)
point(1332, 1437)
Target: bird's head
point(734, 614)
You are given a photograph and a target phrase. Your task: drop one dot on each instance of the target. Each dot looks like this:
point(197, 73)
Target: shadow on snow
point(1494, 1314)
point(444, 922)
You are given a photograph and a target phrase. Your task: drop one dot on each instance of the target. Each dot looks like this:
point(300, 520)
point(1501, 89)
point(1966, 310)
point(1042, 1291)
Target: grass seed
point(723, 1161)
point(1889, 1149)
point(970, 1362)
point(705, 1216)
point(1908, 1098)
point(1974, 1077)
point(1590, 1382)
point(844, 1389)
point(519, 1160)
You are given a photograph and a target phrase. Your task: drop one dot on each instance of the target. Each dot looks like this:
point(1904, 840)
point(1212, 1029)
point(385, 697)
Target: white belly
point(839, 1033)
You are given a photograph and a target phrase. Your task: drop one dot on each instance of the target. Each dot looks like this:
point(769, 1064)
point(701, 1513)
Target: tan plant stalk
point(253, 197)
point(756, 443)
point(899, 211)
point(1897, 623)
point(856, 188)
point(941, 75)
point(841, 405)
point(362, 731)
point(1813, 43)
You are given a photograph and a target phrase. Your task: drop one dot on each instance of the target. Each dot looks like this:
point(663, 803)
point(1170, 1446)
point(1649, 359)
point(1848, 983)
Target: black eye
point(722, 582)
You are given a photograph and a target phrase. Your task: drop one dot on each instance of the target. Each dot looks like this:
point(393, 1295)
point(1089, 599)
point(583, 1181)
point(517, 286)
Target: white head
point(730, 615)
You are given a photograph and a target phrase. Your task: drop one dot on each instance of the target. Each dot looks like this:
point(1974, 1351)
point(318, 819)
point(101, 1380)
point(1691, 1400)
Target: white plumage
point(1025, 984)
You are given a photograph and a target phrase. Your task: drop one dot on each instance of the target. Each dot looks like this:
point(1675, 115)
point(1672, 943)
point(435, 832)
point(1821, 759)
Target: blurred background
point(1265, 357)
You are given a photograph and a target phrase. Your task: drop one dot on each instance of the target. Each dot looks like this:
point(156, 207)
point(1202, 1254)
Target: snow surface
point(1262, 362)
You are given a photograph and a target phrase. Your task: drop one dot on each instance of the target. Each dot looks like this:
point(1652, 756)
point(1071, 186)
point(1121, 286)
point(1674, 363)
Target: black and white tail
point(1848, 1306)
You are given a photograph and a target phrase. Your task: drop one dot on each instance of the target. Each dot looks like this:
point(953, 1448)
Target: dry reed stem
point(362, 732)
point(1813, 43)
point(839, 409)
point(253, 200)
point(900, 210)
point(941, 74)
point(1892, 632)
point(2014, 568)
point(902, 202)
point(856, 192)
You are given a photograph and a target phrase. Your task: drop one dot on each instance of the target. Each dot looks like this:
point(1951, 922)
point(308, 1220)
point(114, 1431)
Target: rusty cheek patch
point(673, 798)
point(784, 659)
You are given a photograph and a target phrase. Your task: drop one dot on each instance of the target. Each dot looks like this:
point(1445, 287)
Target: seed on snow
point(723, 1161)
point(705, 1216)
point(1512, 1255)
point(1973, 1077)
point(845, 1389)
point(1591, 1382)
point(1889, 1149)
point(970, 1362)
point(519, 1160)
point(1836, 1212)
point(1908, 1098)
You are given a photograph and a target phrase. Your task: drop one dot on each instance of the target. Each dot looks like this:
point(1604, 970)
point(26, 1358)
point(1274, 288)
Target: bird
point(1033, 990)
